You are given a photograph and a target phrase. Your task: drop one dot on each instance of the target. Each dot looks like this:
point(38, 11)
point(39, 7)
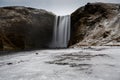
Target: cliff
point(25, 28)
point(96, 24)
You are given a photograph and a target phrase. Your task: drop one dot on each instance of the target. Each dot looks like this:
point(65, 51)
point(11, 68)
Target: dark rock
point(9, 63)
point(36, 53)
point(25, 28)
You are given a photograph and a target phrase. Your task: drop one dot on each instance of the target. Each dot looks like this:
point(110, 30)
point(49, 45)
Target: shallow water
point(96, 63)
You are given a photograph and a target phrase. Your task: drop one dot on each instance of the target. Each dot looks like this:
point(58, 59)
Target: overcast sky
point(59, 7)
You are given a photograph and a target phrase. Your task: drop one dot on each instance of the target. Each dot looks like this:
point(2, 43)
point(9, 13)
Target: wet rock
point(9, 63)
point(36, 53)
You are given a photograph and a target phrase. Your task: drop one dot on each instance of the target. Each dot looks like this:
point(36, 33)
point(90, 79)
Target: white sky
point(59, 7)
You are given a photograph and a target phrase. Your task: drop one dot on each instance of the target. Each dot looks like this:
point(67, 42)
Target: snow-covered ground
point(63, 64)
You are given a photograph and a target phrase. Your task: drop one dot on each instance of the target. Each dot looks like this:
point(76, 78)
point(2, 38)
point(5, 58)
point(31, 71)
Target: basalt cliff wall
point(96, 24)
point(25, 28)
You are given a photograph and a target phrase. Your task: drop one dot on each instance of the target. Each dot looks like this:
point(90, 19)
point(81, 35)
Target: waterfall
point(61, 34)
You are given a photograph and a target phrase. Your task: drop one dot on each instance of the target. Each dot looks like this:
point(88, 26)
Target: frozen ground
point(65, 64)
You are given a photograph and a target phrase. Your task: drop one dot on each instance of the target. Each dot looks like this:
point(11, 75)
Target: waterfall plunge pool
point(63, 64)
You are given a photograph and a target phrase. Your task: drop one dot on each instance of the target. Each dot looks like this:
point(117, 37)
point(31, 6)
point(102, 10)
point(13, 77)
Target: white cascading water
point(61, 34)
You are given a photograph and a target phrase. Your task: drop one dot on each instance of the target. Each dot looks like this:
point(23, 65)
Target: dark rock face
point(25, 28)
point(96, 24)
